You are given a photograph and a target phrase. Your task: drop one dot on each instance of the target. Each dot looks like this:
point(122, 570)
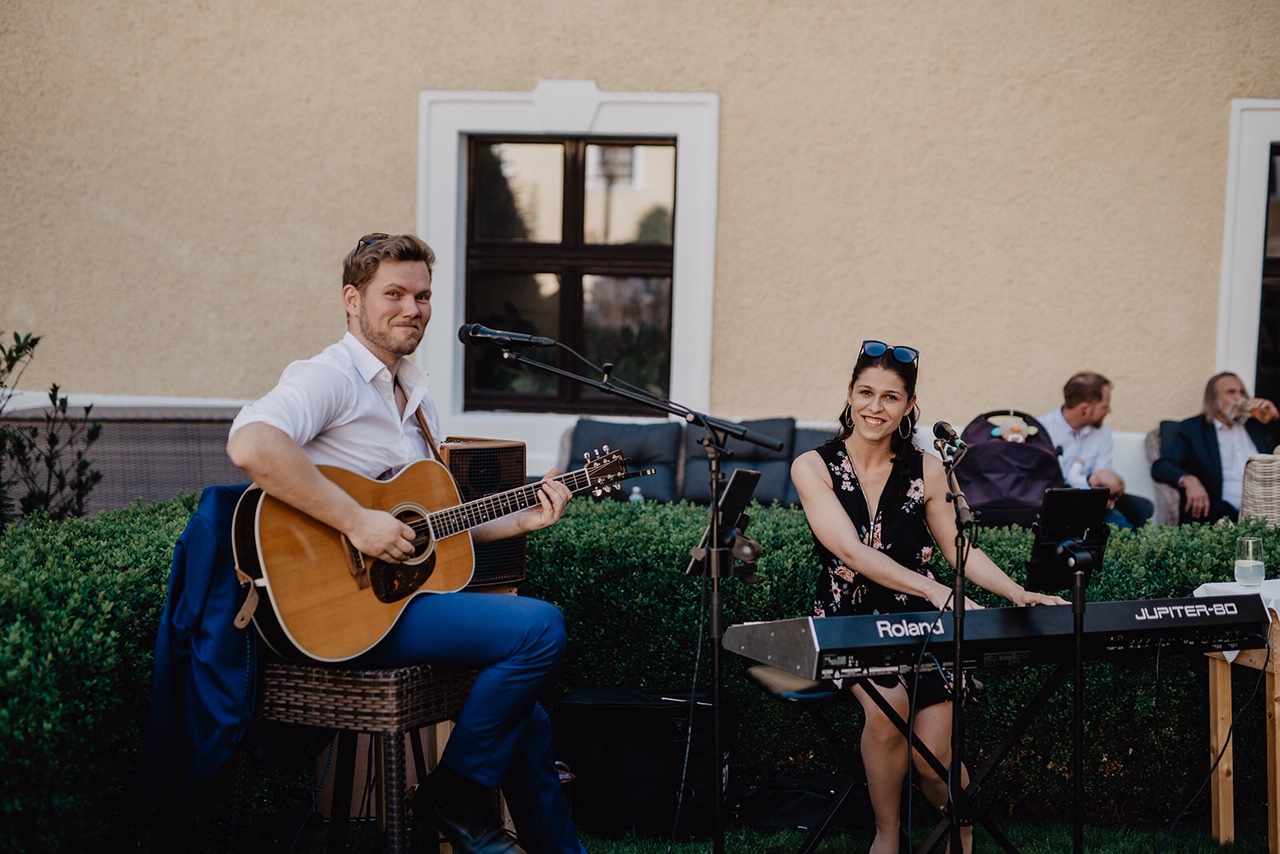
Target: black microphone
point(475, 334)
point(945, 433)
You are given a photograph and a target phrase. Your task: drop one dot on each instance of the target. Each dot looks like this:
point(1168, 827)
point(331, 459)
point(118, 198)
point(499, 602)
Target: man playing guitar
point(362, 405)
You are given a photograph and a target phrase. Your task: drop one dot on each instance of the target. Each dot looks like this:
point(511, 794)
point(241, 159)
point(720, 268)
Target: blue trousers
point(502, 736)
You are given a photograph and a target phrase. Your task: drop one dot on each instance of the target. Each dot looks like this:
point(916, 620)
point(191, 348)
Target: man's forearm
point(284, 471)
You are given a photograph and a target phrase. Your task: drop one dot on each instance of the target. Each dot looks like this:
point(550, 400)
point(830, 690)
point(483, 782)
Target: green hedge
point(80, 603)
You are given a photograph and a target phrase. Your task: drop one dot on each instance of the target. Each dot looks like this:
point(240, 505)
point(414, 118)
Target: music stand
point(1070, 538)
point(733, 522)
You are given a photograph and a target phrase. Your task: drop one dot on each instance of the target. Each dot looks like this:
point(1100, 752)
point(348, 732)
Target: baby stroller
point(1008, 463)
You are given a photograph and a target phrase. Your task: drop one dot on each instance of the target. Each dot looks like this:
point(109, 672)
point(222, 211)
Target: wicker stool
point(386, 704)
point(814, 698)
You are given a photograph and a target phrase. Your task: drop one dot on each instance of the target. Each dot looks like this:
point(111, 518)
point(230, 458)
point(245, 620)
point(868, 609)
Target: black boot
point(463, 810)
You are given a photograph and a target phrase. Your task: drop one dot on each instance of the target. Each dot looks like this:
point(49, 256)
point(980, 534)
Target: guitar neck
point(464, 517)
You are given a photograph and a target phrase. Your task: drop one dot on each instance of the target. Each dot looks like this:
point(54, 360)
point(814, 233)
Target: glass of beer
point(1249, 407)
point(1250, 569)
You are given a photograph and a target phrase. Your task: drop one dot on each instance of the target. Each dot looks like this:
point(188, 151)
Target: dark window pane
point(630, 194)
point(519, 191)
point(514, 302)
point(571, 238)
point(1273, 207)
point(1268, 366)
point(627, 321)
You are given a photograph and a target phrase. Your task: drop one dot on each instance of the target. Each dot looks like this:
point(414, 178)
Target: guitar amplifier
point(482, 467)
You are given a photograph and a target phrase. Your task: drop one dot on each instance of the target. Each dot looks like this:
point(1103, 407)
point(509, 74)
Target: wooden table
point(1222, 784)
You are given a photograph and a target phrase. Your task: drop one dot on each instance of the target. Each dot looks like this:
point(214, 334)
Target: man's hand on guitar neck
point(553, 495)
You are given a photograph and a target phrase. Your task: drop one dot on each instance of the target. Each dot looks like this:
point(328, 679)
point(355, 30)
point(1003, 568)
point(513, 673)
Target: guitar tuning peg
point(597, 492)
point(606, 448)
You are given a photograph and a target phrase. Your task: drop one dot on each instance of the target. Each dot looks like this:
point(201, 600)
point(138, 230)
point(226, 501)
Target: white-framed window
point(1255, 130)
point(448, 119)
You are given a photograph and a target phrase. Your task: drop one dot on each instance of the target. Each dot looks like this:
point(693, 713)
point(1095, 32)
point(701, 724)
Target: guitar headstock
point(605, 470)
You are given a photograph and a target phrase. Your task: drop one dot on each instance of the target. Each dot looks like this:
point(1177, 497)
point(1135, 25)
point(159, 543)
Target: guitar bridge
point(356, 565)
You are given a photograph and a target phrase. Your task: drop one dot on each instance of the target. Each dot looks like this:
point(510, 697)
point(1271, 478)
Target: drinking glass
point(1250, 569)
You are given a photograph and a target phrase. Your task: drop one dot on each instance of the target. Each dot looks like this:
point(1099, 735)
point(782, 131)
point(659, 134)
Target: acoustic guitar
point(329, 602)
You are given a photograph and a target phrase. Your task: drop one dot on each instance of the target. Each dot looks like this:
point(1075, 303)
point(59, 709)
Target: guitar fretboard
point(464, 517)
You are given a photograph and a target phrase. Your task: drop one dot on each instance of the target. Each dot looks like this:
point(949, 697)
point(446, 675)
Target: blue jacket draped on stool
point(204, 681)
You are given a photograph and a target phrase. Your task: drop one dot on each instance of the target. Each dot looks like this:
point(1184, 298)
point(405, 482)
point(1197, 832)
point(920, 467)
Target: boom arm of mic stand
point(607, 387)
point(737, 431)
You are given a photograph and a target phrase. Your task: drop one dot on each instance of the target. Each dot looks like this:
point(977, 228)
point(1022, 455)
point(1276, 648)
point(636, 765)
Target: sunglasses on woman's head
point(876, 349)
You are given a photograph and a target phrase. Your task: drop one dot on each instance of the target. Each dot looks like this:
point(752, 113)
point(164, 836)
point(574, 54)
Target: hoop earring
point(846, 417)
point(909, 420)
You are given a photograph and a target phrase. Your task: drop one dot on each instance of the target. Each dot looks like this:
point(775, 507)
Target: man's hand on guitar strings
point(380, 535)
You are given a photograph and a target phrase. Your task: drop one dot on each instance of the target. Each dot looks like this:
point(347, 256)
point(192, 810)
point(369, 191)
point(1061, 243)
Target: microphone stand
point(956, 794)
point(1079, 560)
point(717, 567)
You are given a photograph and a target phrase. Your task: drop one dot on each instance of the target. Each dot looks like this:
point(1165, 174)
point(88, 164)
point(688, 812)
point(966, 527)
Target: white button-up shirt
point(340, 407)
point(1235, 445)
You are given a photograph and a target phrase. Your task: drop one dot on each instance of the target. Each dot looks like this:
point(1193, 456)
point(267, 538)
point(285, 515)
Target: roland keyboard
point(873, 645)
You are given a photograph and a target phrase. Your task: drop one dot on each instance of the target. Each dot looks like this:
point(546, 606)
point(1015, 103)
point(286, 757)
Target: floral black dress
point(898, 529)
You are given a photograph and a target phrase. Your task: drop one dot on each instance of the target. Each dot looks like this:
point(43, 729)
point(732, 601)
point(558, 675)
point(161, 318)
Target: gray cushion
point(774, 466)
point(807, 438)
point(645, 445)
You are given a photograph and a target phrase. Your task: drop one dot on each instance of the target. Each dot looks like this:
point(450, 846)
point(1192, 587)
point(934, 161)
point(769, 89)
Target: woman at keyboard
point(877, 507)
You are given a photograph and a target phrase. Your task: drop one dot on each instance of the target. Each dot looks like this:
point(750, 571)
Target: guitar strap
point(422, 424)
point(426, 433)
point(250, 600)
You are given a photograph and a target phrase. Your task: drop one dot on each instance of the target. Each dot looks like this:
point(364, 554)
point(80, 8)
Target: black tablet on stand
point(1070, 537)
point(733, 522)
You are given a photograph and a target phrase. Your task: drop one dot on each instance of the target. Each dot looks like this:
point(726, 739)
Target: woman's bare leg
point(932, 727)
point(884, 756)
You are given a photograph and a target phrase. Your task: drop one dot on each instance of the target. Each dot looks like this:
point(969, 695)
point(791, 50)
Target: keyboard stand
point(1012, 737)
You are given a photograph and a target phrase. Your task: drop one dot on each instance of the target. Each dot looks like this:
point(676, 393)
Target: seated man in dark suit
point(1206, 456)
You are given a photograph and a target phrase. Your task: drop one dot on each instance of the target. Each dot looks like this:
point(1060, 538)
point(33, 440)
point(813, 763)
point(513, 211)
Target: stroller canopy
point(1008, 462)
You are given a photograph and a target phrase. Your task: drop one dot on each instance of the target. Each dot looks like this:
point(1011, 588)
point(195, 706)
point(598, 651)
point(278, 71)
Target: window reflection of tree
point(498, 216)
point(655, 226)
point(492, 372)
point(626, 324)
point(498, 213)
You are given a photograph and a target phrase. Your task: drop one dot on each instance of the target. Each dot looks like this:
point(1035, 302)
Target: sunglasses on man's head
point(370, 239)
point(876, 349)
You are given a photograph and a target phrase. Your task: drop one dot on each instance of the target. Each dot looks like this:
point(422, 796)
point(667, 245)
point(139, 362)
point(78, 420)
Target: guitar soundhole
point(392, 582)
point(415, 517)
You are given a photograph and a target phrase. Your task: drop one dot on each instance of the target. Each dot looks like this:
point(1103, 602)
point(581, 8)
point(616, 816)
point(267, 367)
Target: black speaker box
point(482, 467)
point(626, 749)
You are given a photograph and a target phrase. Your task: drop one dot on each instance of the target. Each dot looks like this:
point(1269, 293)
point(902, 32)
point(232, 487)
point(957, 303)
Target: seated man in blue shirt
point(1086, 449)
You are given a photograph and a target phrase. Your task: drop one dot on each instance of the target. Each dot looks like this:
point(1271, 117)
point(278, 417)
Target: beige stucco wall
point(1021, 189)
